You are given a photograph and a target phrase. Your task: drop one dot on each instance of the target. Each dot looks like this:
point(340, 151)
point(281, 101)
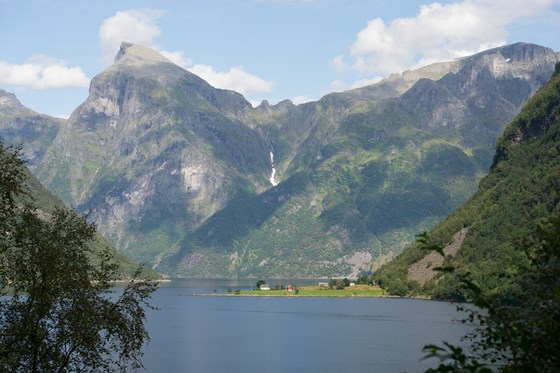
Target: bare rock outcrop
point(423, 270)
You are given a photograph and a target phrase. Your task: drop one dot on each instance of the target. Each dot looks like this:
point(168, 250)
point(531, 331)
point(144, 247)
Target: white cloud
point(338, 86)
point(177, 58)
point(41, 72)
point(363, 82)
point(341, 86)
point(338, 64)
point(255, 103)
point(302, 99)
point(438, 32)
point(140, 27)
point(133, 26)
point(236, 79)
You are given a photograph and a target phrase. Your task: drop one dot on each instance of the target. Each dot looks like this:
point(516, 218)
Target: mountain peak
point(9, 103)
point(137, 55)
point(8, 99)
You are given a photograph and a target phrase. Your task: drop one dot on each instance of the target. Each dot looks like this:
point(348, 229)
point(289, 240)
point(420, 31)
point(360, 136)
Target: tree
point(58, 310)
point(516, 331)
point(12, 180)
point(259, 283)
point(364, 279)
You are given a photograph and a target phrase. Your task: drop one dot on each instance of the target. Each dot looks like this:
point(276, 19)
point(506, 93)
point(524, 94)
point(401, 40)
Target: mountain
point(35, 132)
point(483, 235)
point(21, 125)
point(46, 203)
point(196, 182)
point(361, 177)
point(153, 152)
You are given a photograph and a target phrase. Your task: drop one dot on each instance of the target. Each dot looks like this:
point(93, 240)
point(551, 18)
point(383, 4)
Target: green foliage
point(377, 175)
point(363, 279)
point(12, 181)
point(517, 331)
point(340, 284)
point(521, 188)
point(442, 159)
point(58, 311)
point(316, 291)
point(377, 169)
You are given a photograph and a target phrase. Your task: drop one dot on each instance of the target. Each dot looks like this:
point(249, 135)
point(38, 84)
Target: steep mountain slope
point(362, 177)
point(153, 152)
point(20, 125)
point(177, 173)
point(522, 188)
point(46, 203)
point(35, 132)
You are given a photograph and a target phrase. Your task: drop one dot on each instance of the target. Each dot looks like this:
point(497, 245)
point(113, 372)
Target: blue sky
point(264, 49)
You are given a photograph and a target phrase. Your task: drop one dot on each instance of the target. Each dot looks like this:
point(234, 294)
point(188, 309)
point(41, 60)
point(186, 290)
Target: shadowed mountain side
point(521, 188)
point(22, 126)
point(178, 173)
point(46, 203)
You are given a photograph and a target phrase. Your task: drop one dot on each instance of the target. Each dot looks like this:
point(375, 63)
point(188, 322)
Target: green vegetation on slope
point(58, 311)
point(47, 203)
point(518, 330)
point(378, 181)
point(521, 188)
point(176, 172)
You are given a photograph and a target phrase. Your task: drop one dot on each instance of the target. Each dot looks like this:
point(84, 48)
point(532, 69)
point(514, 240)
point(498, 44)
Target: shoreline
point(358, 291)
point(279, 296)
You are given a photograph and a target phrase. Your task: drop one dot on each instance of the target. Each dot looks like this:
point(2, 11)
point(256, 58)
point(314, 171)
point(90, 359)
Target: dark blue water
point(260, 334)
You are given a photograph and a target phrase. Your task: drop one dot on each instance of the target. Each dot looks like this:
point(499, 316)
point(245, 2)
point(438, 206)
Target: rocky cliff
point(22, 126)
point(178, 173)
point(485, 236)
point(153, 152)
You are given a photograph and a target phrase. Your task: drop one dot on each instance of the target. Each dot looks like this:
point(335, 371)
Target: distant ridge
point(521, 188)
point(178, 173)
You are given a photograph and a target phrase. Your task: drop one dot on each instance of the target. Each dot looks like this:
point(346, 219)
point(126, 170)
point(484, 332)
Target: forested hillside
point(484, 235)
point(194, 181)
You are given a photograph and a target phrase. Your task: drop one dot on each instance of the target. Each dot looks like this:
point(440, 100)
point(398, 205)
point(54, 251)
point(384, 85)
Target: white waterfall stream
point(273, 174)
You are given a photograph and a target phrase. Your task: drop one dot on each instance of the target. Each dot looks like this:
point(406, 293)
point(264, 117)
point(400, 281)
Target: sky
point(264, 49)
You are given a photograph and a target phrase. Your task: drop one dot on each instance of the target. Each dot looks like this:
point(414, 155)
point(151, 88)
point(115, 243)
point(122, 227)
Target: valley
point(196, 182)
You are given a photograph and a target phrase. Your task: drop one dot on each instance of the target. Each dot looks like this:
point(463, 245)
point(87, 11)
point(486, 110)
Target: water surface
point(265, 334)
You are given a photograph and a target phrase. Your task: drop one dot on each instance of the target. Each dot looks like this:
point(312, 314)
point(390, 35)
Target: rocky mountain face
point(44, 204)
point(153, 152)
point(484, 235)
point(22, 126)
point(195, 182)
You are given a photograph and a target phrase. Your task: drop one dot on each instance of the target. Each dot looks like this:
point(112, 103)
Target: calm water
point(259, 334)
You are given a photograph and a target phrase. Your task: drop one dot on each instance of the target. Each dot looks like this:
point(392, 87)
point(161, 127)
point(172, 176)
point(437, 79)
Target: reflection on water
point(264, 334)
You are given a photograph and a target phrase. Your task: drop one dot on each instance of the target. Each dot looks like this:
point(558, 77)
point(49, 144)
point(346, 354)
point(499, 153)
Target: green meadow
point(315, 291)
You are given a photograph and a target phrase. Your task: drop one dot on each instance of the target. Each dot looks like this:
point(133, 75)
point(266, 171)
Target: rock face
point(178, 173)
point(425, 269)
point(487, 234)
point(153, 151)
point(22, 126)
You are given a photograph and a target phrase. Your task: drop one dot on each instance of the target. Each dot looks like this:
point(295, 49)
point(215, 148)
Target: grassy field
point(316, 291)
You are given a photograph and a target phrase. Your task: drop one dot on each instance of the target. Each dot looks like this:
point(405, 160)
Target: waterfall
point(273, 174)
